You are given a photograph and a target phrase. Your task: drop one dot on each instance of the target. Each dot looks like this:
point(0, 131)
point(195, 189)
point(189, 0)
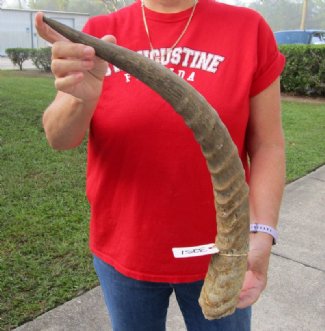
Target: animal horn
point(225, 276)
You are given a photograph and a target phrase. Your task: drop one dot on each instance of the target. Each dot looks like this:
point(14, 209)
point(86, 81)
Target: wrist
point(81, 109)
point(86, 105)
point(264, 229)
point(260, 241)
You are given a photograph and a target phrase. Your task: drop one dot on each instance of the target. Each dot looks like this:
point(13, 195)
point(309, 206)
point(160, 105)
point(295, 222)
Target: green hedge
point(304, 73)
point(40, 57)
point(18, 56)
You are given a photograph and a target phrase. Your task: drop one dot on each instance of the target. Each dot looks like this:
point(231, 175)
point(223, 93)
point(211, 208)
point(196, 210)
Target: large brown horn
point(225, 276)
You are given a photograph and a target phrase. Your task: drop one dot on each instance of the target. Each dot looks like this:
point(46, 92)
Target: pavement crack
point(296, 261)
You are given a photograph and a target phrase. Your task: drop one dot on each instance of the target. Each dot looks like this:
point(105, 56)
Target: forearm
point(79, 77)
point(267, 184)
point(266, 149)
point(266, 187)
point(67, 120)
point(267, 180)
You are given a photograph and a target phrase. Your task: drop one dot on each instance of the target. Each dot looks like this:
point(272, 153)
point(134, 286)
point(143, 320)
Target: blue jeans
point(142, 306)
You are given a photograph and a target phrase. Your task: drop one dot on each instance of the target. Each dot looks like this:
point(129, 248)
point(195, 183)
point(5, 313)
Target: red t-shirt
point(147, 182)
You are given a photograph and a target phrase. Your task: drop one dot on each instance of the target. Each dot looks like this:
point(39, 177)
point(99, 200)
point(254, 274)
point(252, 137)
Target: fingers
point(68, 57)
point(66, 49)
point(250, 292)
point(66, 84)
point(70, 62)
point(248, 299)
point(109, 39)
point(45, 31)
point(61, 68)
point(253, 286)
point(73, 64)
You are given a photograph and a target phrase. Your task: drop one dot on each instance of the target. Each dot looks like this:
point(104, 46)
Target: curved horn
point(224, 279)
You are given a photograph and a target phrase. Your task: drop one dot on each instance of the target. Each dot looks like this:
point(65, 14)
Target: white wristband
point(266, 229)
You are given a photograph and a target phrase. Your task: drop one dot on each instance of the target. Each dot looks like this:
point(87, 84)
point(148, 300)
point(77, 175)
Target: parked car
point(313, 37)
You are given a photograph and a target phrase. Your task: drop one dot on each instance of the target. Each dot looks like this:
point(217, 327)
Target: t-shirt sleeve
point(270, 62)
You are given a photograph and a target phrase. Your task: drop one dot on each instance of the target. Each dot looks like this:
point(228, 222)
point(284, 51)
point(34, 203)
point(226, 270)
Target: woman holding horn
point(147, 182)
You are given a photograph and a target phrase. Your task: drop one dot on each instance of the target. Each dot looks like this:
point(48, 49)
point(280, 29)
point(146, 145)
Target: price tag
point(184, 252)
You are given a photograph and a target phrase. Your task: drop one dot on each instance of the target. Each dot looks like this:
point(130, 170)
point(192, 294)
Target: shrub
point(18, 56)
point(41, 58)
point(304, 73)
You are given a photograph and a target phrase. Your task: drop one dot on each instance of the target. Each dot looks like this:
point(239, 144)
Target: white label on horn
point(183, 252)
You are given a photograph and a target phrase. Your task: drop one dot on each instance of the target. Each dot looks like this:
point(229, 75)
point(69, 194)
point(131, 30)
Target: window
point(318, 38)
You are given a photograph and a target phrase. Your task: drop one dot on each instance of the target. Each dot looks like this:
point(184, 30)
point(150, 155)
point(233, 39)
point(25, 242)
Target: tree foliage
point(113, 5)
point(286, 14)
point(92, 7)
point(18, 56)
point(316, 14)
point(61, 5)
point(41, 58)
point(280, 14)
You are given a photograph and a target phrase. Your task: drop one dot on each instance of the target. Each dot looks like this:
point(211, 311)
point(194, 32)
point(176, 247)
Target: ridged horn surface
point(224, 279)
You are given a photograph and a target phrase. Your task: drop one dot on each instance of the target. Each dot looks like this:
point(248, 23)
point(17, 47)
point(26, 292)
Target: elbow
point(59, 145)
point(60, 141)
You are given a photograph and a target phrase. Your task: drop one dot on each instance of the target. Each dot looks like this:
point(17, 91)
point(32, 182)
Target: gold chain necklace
point(170, 49)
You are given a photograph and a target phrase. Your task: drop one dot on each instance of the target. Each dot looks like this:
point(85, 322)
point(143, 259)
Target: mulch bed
point(314, 100)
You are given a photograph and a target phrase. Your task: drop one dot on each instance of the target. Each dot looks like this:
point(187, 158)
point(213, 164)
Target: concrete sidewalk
point(294, 299)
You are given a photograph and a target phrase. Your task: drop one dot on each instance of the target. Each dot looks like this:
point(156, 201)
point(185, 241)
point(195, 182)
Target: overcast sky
point(13, 3)
point(233, 2)
point(225, 1)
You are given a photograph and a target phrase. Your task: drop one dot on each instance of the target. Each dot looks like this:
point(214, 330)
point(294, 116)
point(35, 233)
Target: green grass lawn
point(304, 128)
point(44, 257)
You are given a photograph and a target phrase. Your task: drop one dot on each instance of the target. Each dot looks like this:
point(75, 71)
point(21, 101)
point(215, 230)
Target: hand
point(256, 275)
point(77, 70)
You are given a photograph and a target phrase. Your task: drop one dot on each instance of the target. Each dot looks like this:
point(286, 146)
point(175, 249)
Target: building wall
point(17, 27)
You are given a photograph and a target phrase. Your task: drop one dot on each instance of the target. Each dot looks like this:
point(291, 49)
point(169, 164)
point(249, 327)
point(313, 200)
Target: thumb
point(45, 31)
point(109, 38)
